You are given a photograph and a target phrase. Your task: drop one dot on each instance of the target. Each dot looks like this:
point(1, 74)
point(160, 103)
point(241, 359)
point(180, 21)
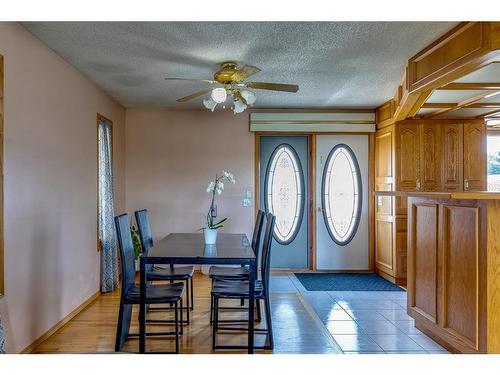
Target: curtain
point(107, 234)
point(2, 337)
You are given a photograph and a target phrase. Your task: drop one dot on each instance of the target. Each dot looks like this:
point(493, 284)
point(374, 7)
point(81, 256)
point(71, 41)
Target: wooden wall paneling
point(460, 46)
point(452, 157)
point(493, 275)
point(371, 207)
point(423, 260)
point(408, 157)
point(430, 173)
point(312, 202)
point(475, 170)
point(460, 267)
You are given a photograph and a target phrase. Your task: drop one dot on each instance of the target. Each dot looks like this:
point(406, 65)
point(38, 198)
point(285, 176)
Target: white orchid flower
point(229, 176)
point(220, 185)
point(211, 187)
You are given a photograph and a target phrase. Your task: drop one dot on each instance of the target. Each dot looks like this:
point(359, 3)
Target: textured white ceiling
point(336, 64)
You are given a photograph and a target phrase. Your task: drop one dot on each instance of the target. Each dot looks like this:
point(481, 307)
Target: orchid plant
point(217, 186)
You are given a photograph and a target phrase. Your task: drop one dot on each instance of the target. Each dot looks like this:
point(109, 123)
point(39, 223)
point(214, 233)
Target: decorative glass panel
point(284, 192)
point(341, 194)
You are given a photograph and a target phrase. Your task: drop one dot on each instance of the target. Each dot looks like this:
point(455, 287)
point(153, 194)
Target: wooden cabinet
point(430, 158)
point(474, 156)
point(421, 156)
point(408, 151)
point(453, 269)
point(446, 156)
point(452, 157)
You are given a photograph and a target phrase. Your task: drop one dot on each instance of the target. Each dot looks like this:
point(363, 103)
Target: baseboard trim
point(29, 349)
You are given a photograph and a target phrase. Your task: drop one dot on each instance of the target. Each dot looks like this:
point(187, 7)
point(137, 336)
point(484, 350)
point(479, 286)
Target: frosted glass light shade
point(239, 106)
point(210, 104)
point(248, 96)
point(219, 95)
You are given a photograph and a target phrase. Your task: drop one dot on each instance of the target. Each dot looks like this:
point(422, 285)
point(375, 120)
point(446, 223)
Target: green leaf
point(220, 222)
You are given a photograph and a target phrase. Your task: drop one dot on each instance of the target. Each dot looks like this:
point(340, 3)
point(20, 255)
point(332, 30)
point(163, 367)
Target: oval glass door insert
point(341, 194)
point(284, 192)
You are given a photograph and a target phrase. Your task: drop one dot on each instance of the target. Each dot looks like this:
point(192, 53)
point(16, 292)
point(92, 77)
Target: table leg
point(251, 305)
point(142, 308)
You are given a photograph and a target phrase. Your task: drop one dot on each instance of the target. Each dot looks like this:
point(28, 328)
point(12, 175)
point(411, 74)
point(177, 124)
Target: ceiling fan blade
point(238, 95)
point(191, 79)
point(272, 86)
point(195, 95)
point(244, 72)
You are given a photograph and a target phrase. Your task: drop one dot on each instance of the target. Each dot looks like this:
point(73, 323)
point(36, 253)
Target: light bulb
point(248, 96)
point(210, 104)
point(239, 106)
point(219, 95)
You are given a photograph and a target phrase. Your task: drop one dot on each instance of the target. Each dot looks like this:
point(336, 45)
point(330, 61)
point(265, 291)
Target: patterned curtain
point(2, 337)
point(107, 235)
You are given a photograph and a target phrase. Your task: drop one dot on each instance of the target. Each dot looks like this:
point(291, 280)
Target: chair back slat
point(126, 247)
point(144, 226)
point(266, 251)
point(257, 230)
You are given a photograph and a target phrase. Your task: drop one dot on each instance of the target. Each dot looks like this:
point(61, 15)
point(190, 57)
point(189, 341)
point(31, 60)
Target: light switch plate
point(247, 202)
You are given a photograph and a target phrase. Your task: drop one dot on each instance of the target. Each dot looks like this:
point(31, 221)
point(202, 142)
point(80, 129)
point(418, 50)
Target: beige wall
point(171, 156)
point(51, 263)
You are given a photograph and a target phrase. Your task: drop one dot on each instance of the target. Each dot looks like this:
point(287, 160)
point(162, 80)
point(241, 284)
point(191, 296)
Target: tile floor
point(363, 322)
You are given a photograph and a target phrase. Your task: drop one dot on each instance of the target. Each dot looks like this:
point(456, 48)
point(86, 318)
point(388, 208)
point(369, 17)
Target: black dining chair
point(237, 289)
point(240, 273)
point(171, 273)
point(130, 291)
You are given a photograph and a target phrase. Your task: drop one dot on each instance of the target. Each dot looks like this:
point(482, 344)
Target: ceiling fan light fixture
point(249, 96)
point(239, 106)
point(210, 104)
point(219, 95)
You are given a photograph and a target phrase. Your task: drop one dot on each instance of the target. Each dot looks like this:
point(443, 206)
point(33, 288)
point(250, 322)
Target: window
point(341, 194)
point(284, 192)
point(493, 161)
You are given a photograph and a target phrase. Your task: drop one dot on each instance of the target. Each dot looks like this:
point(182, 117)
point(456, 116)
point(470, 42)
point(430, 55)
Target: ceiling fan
point(230, 80)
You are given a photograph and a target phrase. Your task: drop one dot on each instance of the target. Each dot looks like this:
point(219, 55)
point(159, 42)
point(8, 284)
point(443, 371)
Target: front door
point(283, 191)
point(342, 202)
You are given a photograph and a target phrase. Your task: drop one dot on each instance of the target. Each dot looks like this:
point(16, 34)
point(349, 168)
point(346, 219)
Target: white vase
point(210, 236)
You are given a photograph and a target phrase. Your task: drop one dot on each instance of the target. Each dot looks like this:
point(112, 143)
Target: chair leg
point(267, 305)
point(182, 318)
point(123, 326)
point(192, 292)
point(187, 300)
point(176, 329)
point(215, 323)
point(258, 307)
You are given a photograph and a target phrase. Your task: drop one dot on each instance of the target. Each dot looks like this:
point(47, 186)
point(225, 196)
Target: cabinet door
point(430, 172)
point(384, 153)
point(452, 157)
point(408, 157)
point(475, 156)
point(423, 259)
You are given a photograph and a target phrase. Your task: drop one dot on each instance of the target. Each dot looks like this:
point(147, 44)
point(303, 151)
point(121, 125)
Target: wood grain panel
point(423, 260)
point(384, 255)
point(475, 156)
point(493, 275)
point(460, 273)
point(452, 157)
point(407, 156)
point(454, 49)
point(431, 158)
point(384, 159)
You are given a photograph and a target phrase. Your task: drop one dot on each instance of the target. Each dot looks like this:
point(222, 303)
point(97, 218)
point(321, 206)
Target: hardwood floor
point(296, 328)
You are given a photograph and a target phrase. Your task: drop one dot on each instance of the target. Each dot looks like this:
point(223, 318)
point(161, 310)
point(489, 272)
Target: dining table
point(190, 248)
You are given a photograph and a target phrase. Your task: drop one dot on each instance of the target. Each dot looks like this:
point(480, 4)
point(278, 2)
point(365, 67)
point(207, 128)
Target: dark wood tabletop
point(190, 247)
